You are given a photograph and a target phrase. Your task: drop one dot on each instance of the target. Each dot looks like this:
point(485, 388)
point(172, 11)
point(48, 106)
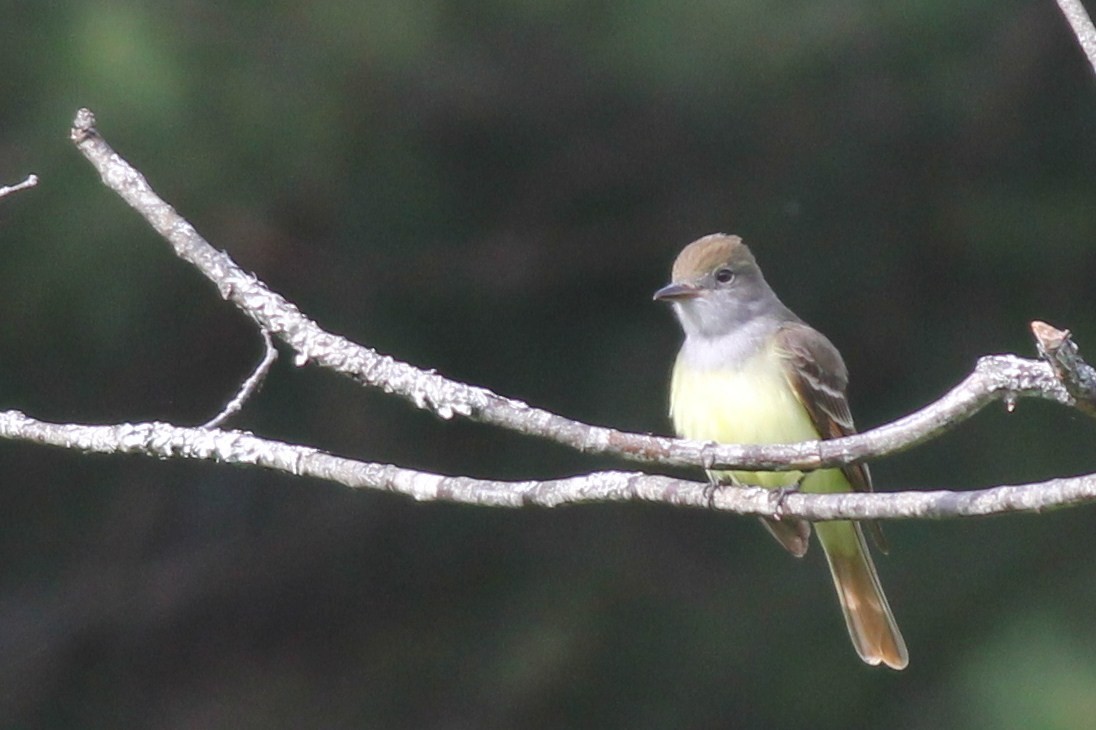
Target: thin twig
point(30, 182)
point(250, 386)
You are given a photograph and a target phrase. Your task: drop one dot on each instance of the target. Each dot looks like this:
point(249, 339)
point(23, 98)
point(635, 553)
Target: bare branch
point(30, 182)
point(250, 386)
point(165, 441)
point(1001, 377)
point(1082, 27)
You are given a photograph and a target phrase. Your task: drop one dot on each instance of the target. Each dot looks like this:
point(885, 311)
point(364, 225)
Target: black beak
point(674, 292)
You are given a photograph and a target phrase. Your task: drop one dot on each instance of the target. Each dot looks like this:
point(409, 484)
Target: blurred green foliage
point(494, 189)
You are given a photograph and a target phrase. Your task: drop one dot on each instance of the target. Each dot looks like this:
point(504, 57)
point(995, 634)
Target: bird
point(750, 371)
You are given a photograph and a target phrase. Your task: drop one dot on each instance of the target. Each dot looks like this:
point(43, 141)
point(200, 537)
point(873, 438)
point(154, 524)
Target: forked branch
point(1063, 378)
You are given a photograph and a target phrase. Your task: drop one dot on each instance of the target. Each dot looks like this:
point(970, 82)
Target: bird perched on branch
point(751, 372)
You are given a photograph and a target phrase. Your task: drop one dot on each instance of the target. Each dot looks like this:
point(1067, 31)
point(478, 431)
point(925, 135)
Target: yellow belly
point(754, 405)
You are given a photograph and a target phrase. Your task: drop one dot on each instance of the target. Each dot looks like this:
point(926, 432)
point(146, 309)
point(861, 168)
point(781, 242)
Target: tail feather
point(871, 624)
point(793, 534)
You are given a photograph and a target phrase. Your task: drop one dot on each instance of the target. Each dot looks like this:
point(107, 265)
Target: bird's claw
point(710, 489)
point(780, 494)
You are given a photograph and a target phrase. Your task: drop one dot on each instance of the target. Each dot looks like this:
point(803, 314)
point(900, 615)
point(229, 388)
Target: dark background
point(494, 189)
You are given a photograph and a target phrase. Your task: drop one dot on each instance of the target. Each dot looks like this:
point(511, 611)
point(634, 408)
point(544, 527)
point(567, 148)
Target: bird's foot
point(780, 494)
point(710, 489)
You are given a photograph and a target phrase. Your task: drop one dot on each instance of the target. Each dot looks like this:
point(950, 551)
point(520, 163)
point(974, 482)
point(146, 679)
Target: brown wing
point(819, 378)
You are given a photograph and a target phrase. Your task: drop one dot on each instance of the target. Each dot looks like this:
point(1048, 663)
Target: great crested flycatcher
point(751, 372)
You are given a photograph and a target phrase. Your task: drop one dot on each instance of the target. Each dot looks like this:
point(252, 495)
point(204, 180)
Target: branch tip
point(29, 182)
point(83, 126)
point(1064, 357)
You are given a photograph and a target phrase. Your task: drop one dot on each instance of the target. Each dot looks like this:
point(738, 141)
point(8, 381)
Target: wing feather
point(817, 375)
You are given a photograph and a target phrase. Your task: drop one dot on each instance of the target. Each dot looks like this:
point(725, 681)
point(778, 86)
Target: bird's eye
point(724, 276)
